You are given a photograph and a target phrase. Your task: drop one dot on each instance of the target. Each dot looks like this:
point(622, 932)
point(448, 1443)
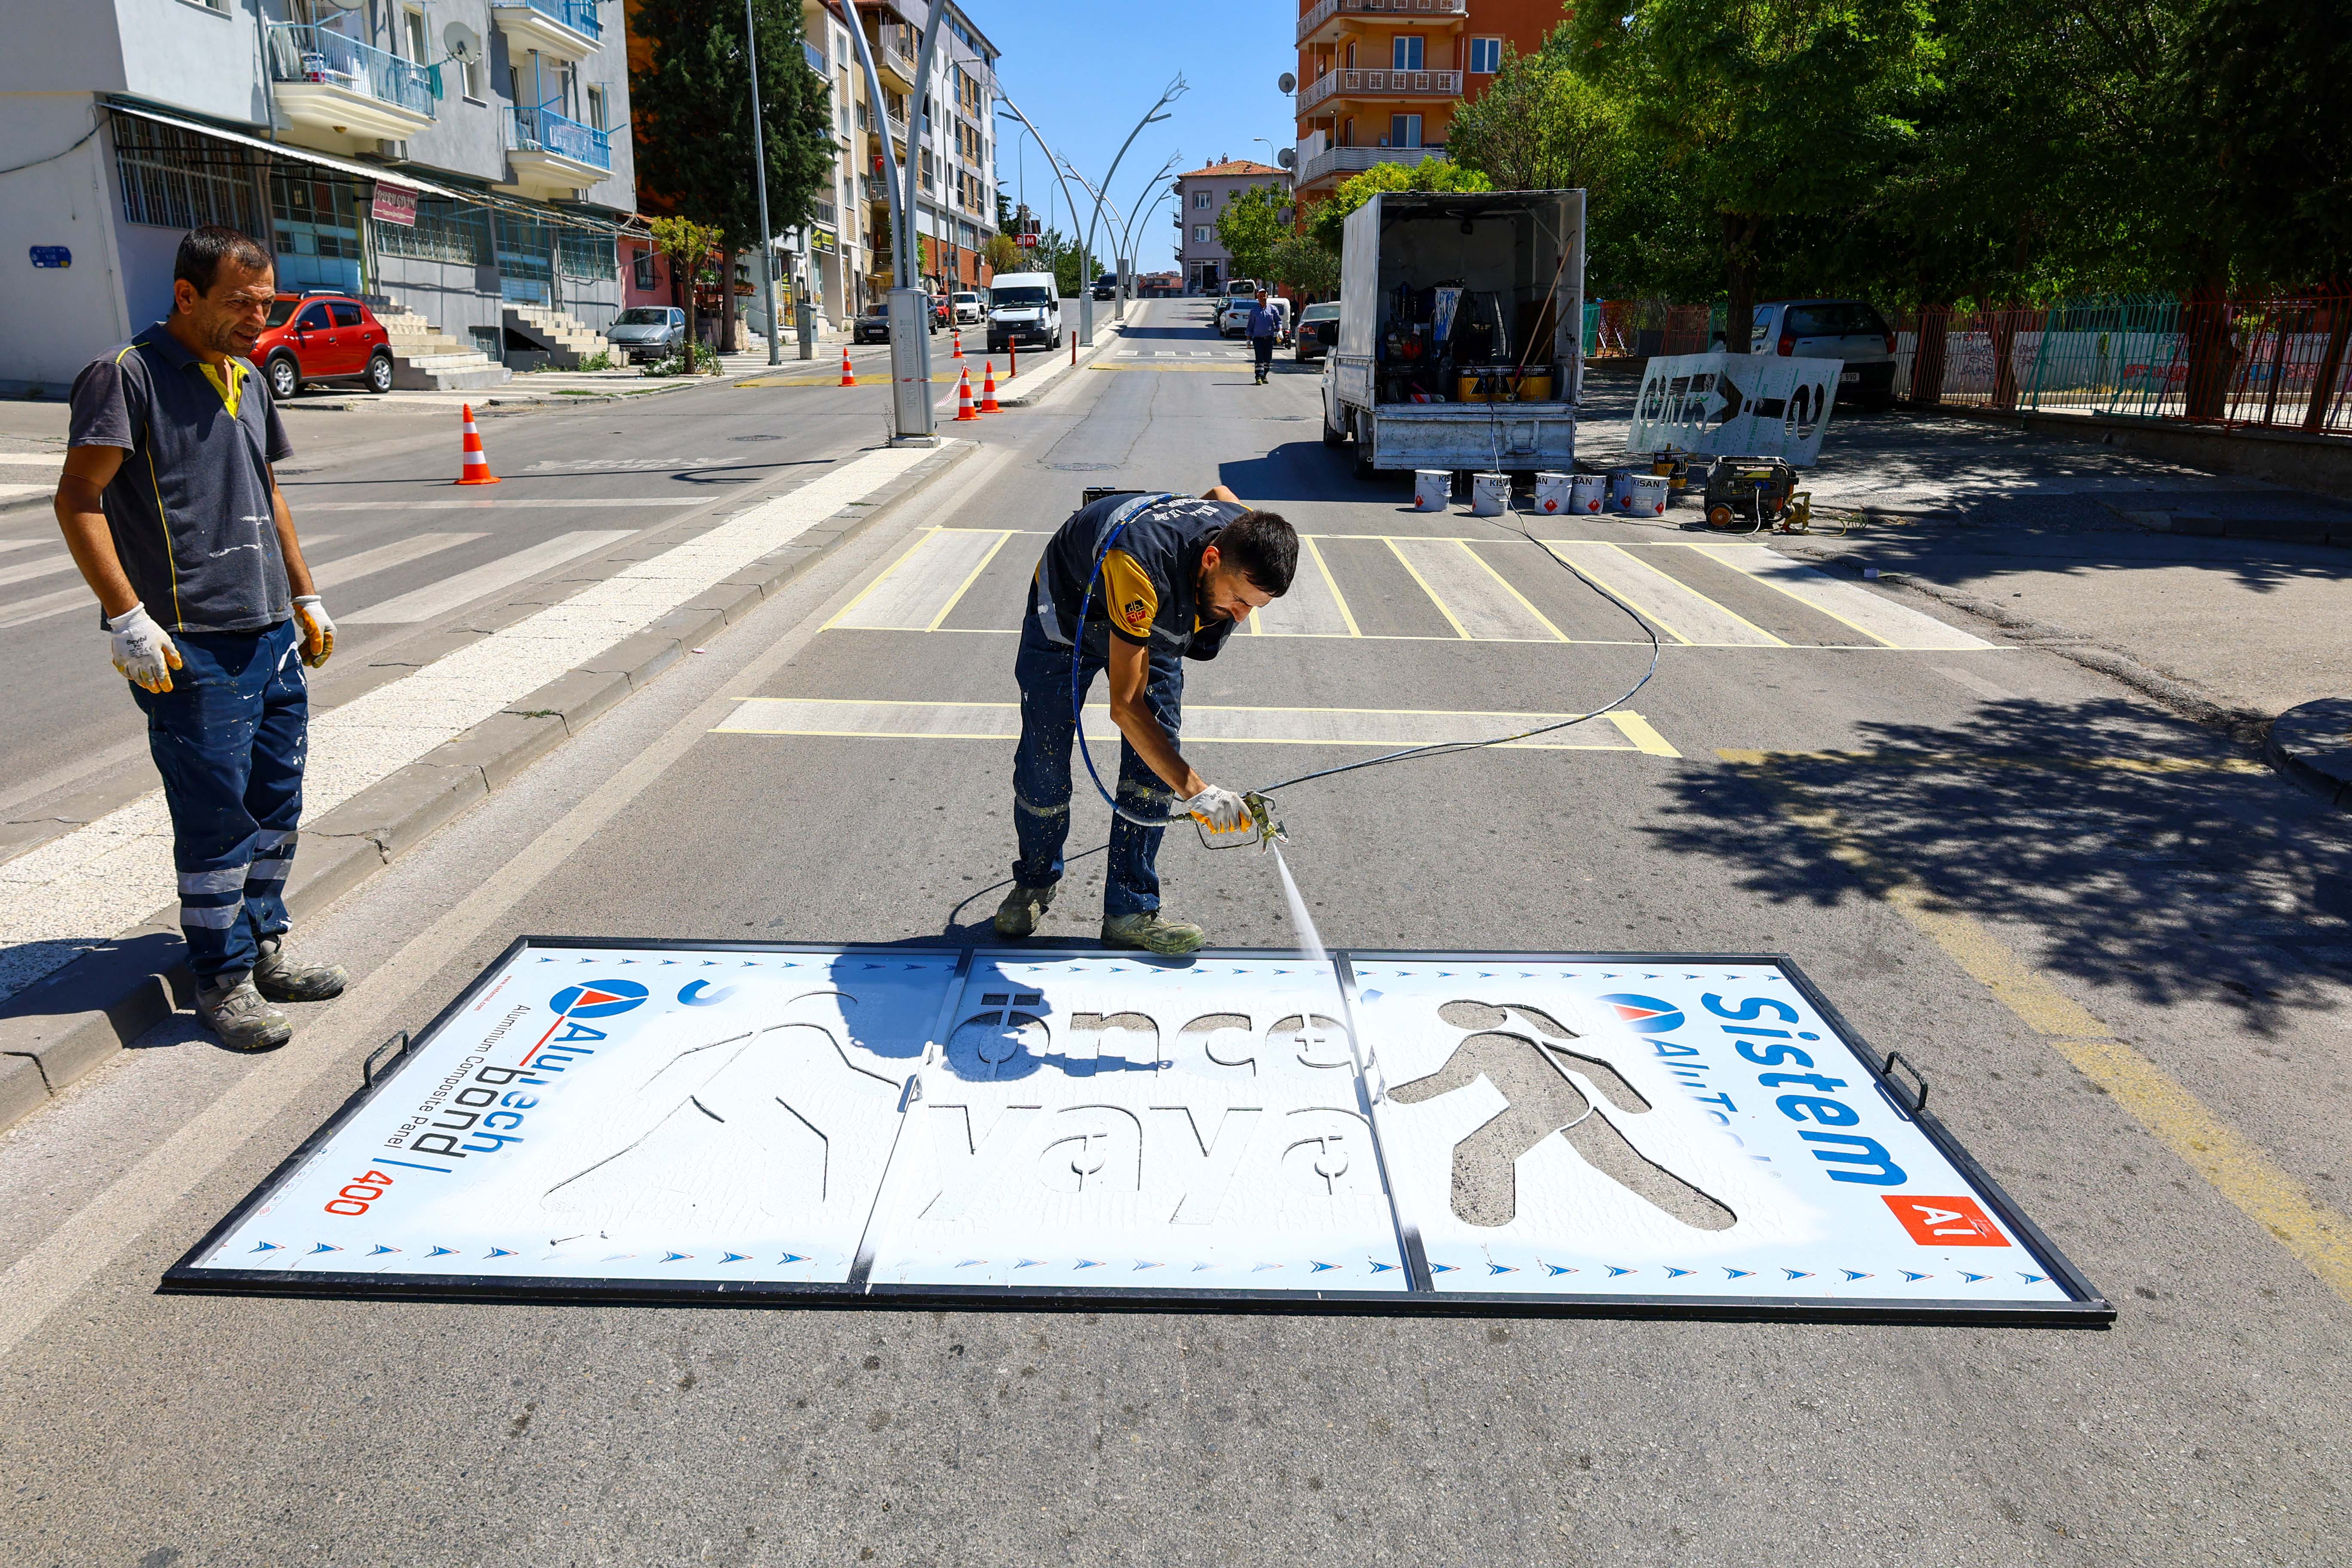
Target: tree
point(1304, 265)
point(1776, 111)
point(1252, 224)
point(1540, 126)
point(692, 111)
point(1005, 254)
point(1325, 224)
point(687, 244)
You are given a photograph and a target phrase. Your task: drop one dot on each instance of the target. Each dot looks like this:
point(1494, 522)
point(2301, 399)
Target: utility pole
point(914, 422)
point(760, 170)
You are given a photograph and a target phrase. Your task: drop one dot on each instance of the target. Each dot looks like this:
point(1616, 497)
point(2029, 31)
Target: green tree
point(1540, 126)
point(1005, 254)
point(1304, 265)
point(1774, 112)
point(691, 110)
point(1325, 224)
point(687, 244)
point(1252, 224)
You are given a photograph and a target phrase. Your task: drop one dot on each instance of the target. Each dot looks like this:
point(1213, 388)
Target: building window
point(1202, 199)
point(641, 269)
point(176, 179)
point(1405, 130)
point(1406, 55)
point(1347, 131)
point(470, 80)
point(412, 29)
point(1200, 232)
point(1485, 55)
point(596, 107)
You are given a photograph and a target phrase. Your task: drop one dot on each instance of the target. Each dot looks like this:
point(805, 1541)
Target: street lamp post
point(1053, 161)
point(760, 169)
point(1087, 295)
point(913, 419)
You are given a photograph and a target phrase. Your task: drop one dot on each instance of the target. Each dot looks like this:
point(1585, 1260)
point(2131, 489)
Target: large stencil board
point(1376, 1132)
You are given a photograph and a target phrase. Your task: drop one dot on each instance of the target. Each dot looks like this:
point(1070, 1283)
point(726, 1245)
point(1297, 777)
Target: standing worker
point(171, 507)
point(1265, 326)
point(1171, 578)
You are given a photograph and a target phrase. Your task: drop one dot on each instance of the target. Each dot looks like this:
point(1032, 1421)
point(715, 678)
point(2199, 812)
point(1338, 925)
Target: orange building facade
point(1379, 80)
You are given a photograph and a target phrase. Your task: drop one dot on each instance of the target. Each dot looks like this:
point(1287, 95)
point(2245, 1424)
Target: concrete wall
point(58, 318)
point(185, 54)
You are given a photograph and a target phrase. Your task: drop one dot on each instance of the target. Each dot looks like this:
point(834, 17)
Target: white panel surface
point(1746, 406)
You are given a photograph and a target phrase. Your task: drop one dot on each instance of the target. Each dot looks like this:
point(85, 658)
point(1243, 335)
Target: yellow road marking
point(2319, 1237)
point(1514, 593)
point(1995, 760)
point(922, 538)
point(1235, 364)
point(1459, 629)
point(1636, 728)
point(965, 586)
point(1332, 583)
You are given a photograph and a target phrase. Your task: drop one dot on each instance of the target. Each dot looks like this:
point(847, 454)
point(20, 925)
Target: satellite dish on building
point(464, 44)
point(1283, 83)
point(1287, 157)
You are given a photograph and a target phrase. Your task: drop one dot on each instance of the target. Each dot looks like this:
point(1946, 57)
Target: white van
point(1023, 308)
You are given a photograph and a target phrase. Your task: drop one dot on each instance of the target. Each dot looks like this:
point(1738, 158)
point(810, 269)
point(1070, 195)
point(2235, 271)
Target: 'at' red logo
point(1947, 1222)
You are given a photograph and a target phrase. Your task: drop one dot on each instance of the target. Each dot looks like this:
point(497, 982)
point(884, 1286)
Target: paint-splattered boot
point(1152, 935)
point(236, 1012)
point(281, 979)
point(1022, 909)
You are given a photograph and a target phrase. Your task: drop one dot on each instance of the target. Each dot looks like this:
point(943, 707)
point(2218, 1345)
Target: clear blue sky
point(1086, 72)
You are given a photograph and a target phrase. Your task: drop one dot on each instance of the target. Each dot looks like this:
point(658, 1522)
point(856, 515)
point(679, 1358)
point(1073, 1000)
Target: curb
point(2312, 744)
point(2271, 530)
point(73, 1021)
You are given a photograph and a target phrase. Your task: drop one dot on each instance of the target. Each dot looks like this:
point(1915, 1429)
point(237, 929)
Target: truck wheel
point(1333, 435)
point(1363, 464)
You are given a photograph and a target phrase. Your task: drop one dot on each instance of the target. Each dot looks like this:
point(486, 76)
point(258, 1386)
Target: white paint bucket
point(1586, 492)
point(1646, 495)
point(1554, 494)
point(1620, 489)
point(1490, 495)
point(1433, 488)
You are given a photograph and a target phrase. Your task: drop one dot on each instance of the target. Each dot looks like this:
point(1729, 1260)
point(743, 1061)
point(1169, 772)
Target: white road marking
point(1203, 724)
point(23, 543)
point(502, 504)
point(924, 583)
point(110, 874)
point(456, 593)
point(1974, 683)
point(1677, 610)
point(1476, 600)
point(1897, 626)
point(60, 562)
point(1312, 607)
point(27, 611)
point(351, 568)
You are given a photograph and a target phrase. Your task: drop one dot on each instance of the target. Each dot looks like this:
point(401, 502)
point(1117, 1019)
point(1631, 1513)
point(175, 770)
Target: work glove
point(144, 655)
point(318, 630)
point(1220, 809)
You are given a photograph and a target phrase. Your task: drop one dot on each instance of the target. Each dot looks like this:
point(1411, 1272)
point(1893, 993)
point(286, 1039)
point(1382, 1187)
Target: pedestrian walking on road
point(170, 506)
point(1265, 326)
point(1171, 578)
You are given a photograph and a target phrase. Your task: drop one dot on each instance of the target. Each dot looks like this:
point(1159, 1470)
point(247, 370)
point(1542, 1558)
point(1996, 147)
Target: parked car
point(873, 325)
point(943, 312)
point(644, 332)
point(1847, 330)
point(1243, 289)
point(968, 308)
point(322, 337)
point(1318, 330)
point(1024, 308)
point(1232, 321)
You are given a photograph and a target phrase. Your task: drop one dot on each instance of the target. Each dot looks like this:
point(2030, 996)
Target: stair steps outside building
point(426, 358)
point(567, 339)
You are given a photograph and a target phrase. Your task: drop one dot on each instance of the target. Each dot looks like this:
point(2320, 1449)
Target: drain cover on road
point(1382, 1131)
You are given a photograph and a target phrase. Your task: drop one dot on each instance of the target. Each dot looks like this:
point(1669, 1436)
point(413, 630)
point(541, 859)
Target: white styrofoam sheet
point(679, 1120)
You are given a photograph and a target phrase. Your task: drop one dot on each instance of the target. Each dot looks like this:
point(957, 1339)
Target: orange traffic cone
point(963, 399)
point(477, 462)
point(959, 342)
point(848, 376)
point(988, 391)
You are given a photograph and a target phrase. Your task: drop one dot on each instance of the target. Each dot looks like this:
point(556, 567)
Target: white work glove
point(318, 629)
point(1220, 809)
point(143, 652)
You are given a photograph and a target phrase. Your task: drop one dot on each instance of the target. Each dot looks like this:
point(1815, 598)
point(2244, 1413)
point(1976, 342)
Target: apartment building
point(1201, 195)
point(464, 164)
point(1379, 79)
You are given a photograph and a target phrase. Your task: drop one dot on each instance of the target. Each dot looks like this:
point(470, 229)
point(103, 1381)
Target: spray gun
point(1262, 829)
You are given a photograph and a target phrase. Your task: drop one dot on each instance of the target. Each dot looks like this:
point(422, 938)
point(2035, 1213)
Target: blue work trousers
point(230, 738)
point(1264, 349)
point(1040, 772)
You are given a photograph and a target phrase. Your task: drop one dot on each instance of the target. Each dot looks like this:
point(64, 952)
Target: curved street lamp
point(1174, 91)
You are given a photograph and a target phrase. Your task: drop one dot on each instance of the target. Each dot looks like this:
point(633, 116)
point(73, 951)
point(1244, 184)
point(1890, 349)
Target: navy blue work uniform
point(1265, 326)
point(191, 515)
point(1146, 594)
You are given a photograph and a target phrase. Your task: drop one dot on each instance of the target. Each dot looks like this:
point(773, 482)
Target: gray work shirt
point(190, 507)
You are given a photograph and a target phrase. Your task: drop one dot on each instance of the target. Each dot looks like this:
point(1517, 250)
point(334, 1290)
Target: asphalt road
point(1972, 849)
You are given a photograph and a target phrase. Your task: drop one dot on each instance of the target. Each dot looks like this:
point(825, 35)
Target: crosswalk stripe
point(1674, 610)
point(1414, 572)
point(24, 612)
point(1313, 608)
point(18, 492)
point(6, 544)
point(61, 562)
point(456, 593)
point(1897, 626)
point(892, 719)
point(351, 568)
point(923, 584)
point(1475, 597)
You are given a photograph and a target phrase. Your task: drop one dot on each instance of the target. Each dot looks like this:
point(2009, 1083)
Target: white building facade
point(1201, 195)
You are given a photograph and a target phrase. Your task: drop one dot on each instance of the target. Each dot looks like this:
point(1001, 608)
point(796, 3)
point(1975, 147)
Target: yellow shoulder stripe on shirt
point(1128, 593)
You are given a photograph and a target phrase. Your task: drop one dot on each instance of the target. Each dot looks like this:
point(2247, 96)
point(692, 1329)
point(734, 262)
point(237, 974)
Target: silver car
point(644, 332)
point(1847, 330)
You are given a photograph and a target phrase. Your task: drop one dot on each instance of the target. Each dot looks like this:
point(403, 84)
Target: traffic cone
point(963, 399)
point(959, 342)
point(848, 376)
point(477, 462)
point(988, 391)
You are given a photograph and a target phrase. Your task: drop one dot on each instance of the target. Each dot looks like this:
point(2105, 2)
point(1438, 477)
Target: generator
point(1761, 490)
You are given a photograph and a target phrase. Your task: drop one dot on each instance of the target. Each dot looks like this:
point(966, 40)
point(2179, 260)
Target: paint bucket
point(1646, 496)
point(1585, 492)
point(1555, 493)
point(1433, 488)
point(1620, 489)
point(1490, 495)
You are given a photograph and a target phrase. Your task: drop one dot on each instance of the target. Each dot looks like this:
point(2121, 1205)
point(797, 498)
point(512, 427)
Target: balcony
point(1338, 84)
point(549, 153)
point(1324, 23)
point(566, 29)
point(323, 79)
point(1339, 163)
point(893, 63)
point(875, 188)
point(816, 61)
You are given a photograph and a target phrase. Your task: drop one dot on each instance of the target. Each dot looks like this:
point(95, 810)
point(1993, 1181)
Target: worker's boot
point(1022, 909)
point(1152, 935)
point(281, 979)
point(236, 1012)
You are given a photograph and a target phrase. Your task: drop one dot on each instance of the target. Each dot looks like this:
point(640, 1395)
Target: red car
point(322, 337)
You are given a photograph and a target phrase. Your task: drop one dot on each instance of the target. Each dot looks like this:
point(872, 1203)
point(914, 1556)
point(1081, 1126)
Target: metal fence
point(1616, 327)
point(2279, 363)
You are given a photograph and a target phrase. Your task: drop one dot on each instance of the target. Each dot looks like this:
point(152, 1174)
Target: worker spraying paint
point(1133, 584)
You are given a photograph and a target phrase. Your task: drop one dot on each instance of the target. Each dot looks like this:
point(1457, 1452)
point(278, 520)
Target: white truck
point(1460, 344)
